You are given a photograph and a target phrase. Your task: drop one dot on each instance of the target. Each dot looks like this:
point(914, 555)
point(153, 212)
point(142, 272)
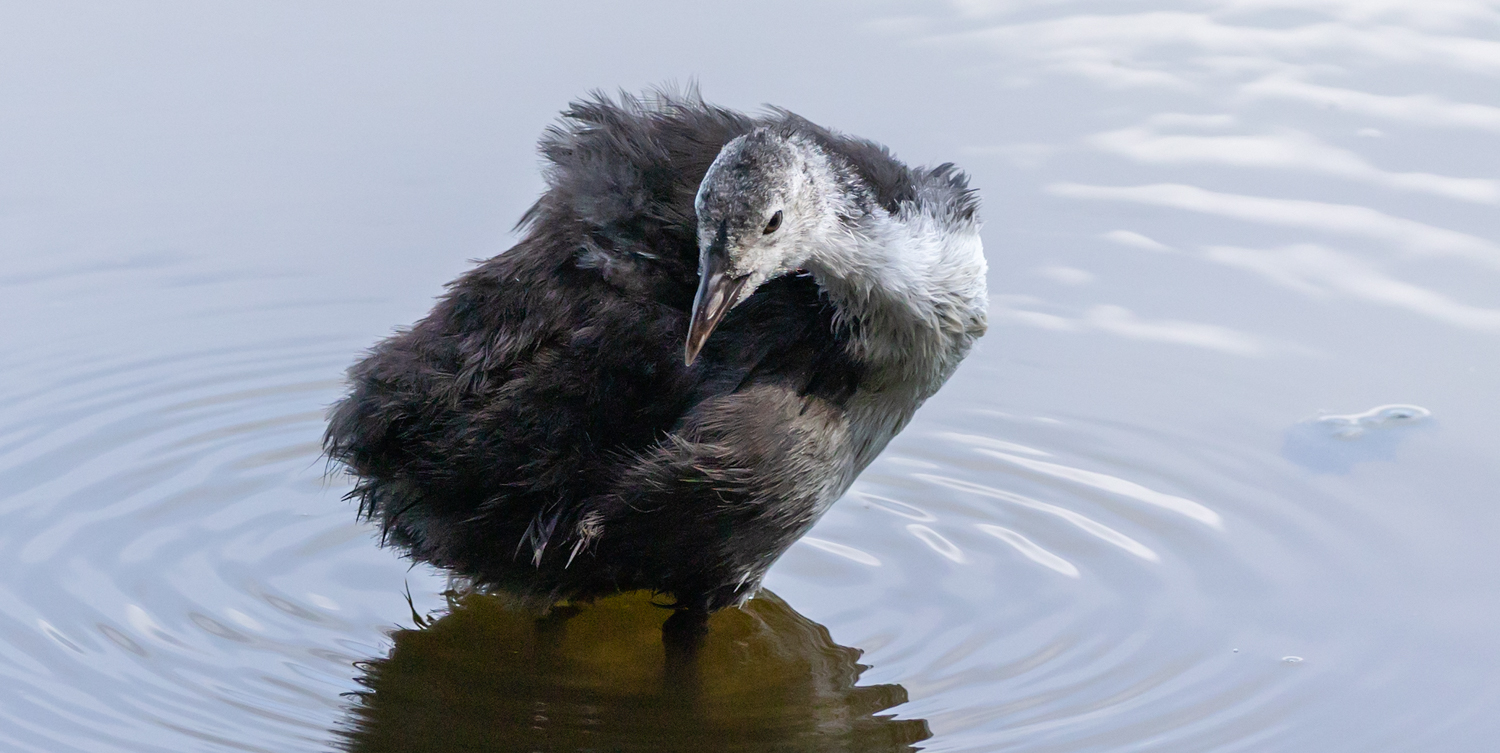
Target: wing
point(513, 394)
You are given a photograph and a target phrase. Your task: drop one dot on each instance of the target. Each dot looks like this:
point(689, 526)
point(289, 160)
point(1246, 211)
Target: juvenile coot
point(713, 323)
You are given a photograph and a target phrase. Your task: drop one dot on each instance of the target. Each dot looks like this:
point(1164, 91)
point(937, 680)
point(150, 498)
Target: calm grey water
point(1167, 505)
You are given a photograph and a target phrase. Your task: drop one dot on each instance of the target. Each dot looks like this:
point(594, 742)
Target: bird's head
point(762, 208)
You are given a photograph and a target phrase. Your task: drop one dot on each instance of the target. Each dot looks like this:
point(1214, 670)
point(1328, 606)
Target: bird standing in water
point(712, 324)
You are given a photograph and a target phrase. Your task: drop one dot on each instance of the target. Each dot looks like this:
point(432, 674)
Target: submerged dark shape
point(552, 430)
point(487, 678)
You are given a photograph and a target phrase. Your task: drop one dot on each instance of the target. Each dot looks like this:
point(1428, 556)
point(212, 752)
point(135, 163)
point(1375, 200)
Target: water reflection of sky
point(1223, 237)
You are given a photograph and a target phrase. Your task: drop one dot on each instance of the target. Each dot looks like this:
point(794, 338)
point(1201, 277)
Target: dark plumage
point(539, 433)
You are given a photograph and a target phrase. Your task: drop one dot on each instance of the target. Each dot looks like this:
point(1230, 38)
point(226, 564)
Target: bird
point(711, 324)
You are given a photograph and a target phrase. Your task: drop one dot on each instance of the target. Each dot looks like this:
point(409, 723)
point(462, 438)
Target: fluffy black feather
point(538, 432)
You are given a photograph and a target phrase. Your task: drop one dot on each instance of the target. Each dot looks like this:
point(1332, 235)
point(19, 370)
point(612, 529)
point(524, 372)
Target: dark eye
point(773, 224)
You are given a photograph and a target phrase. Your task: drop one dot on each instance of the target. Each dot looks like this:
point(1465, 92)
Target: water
point(1236, 406)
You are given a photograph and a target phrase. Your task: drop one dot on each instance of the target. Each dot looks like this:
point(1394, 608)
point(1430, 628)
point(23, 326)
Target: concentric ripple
point(177, 565)
point(1046, 583)
point(1072, 585)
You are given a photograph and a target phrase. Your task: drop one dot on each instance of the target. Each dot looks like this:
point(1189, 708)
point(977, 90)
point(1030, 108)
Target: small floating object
point(1292, 659)
point(1331, 443)
point(1355, 425)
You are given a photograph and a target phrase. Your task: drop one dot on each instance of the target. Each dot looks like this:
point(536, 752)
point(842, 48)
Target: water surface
point(1220, 478)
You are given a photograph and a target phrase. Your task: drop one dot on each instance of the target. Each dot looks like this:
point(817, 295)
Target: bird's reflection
point(485, 678)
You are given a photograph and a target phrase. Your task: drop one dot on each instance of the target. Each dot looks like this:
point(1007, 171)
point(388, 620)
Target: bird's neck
point(910, 287)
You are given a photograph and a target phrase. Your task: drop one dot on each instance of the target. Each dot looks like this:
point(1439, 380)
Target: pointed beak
point(717, 294)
